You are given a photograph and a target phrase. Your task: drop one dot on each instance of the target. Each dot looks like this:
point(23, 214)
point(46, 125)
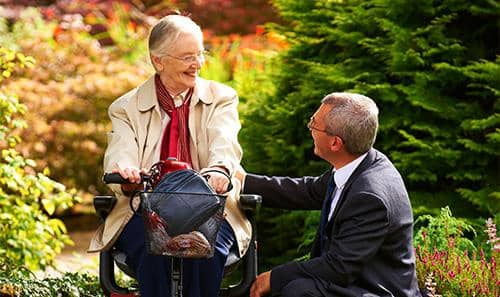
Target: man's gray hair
point(354, 118)
point(166, 32)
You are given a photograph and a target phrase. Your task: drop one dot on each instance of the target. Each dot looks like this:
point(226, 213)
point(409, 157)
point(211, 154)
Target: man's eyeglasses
point(190, 59)
point(311, 126)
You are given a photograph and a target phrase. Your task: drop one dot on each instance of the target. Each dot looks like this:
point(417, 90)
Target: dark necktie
point(324, 213)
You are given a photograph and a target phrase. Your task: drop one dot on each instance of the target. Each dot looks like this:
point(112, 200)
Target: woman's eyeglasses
point(190, 59)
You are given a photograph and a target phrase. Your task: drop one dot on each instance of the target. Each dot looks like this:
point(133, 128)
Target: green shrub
point(449, 264)
point(17, 284)
point(440, 229)
point(28, 235)
point(69, 90)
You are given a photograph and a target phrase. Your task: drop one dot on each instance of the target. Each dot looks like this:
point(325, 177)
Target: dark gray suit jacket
point(369, 249)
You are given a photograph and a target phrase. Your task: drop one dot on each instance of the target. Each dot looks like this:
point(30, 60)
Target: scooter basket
point(182, 216)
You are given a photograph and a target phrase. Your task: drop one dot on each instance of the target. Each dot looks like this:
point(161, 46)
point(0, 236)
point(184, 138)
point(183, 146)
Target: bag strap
point(131, 202)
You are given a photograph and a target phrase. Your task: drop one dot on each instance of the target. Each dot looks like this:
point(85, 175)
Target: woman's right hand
point(132, 174)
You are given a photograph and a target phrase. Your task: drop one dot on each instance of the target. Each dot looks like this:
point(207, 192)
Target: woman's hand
point(217, 179)
point(132, 174)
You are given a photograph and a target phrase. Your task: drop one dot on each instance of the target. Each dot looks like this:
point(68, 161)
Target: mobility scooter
point(113, 257)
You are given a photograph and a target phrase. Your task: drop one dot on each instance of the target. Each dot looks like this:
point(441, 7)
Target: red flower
point(259, 30)
point(50, 13)
point(57, 31)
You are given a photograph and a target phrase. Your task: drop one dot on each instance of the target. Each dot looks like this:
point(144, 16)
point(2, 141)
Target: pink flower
point(493, 268)
point(451, 242)
point(459, 265)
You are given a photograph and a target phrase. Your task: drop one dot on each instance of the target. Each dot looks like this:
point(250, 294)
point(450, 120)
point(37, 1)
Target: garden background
point(432, 67)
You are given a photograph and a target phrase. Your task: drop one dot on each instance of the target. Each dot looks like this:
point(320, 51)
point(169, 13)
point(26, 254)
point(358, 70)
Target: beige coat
point(136, 123)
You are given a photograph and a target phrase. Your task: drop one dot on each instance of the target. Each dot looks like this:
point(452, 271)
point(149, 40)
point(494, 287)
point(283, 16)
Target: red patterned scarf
point(175, 141)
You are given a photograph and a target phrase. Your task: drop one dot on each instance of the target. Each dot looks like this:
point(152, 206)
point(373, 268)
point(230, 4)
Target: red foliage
point(231, 16)
point(221, 17)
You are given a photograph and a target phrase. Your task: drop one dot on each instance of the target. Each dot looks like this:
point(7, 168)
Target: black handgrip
point(116, 178)
point(250, 201)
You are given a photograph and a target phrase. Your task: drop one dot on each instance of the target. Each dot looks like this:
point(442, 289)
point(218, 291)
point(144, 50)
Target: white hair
point(354, 118)
point(166, 32)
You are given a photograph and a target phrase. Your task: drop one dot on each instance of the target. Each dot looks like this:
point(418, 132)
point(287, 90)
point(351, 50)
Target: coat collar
point(202, 92)
point(146, 94)
point(367, 161)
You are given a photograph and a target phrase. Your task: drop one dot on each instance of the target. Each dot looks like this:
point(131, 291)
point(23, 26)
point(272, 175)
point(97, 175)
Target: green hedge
point(67, 285)
point(29, 236)
point(433, 69)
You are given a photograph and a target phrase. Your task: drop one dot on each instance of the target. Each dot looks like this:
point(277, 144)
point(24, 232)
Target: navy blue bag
point(182, 215)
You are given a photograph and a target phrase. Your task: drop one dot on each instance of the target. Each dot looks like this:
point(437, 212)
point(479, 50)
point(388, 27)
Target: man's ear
point(336, 144)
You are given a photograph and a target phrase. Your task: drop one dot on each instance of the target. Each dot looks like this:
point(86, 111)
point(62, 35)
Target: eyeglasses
point(311, 127)
point(190, 59)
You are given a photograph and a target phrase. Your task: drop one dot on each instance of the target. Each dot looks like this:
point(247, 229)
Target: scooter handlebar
point(116, 178)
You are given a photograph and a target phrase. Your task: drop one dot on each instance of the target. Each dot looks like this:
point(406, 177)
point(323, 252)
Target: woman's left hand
point(217, 180)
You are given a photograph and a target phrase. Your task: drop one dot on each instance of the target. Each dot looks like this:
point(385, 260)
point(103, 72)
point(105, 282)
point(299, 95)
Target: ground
point(75, 258)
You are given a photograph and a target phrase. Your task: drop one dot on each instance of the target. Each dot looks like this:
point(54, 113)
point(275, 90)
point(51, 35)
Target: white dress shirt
point(340, 176)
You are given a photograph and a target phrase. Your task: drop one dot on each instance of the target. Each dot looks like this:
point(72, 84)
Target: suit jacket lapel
point(317, 244)
point(325, 211)
point(369, 159)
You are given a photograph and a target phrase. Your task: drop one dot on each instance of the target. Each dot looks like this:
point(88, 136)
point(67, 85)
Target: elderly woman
point(177, 114)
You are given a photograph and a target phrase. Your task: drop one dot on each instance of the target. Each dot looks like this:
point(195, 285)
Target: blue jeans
point(201, 277)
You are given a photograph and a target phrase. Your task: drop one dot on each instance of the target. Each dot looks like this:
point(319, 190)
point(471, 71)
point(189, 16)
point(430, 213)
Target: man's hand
point(262, 285)
point(218, 181)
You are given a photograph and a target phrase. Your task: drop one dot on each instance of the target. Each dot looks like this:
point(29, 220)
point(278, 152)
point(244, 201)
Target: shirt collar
point(342, 175)
point(146, 94)
point(179, 99)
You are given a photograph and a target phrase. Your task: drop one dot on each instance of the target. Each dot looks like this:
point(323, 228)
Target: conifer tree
point(433, 69)
point(431, 66)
